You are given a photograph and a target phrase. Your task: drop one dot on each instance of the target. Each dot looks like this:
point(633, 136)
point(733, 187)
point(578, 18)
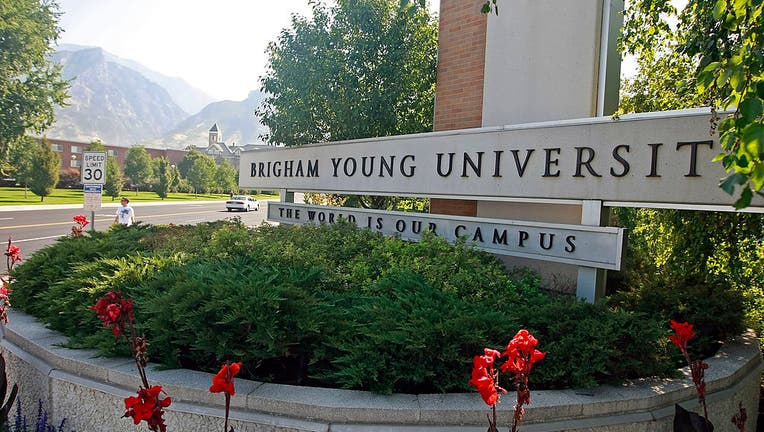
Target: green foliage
point(201, 175)
point(164, 175)
point(30, 84)
point(45, 170)
point(418, 336)
point(138, 166)
point(114, 181)
point(357, 69)
point(354, 70)
point(225, 178)
point(188, 160)
point(713, 55)
point(588, 344)
point(331, 305)
point(21, 155)
point(702, 267)
point(39, 273)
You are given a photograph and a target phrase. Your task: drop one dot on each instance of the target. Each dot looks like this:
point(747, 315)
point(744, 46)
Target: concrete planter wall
point(88, 391)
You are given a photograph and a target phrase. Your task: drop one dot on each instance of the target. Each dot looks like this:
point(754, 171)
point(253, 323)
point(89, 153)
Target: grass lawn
point(16, 196)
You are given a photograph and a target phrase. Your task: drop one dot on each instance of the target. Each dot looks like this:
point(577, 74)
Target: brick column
point(459, 90)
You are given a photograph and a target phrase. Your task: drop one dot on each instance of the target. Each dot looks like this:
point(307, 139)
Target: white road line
point(6, 218)
point(38, 238)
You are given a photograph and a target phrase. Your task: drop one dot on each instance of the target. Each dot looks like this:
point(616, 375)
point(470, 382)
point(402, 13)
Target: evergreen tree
point(165, 177)
point(45, 170)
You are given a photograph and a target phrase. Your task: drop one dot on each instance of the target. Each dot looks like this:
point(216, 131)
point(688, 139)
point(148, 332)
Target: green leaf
point(720, 9)
point(728, 140)
point(726, 124)
point(745, 199)
point(739, 7)
point(729, 183)
point(751, 108)
point(753, 139)
point(737, 79)
point(757, 176)
point(705, 79)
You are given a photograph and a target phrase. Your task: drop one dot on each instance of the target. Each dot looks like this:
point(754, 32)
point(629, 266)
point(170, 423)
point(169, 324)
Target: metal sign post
point(93, 178)
point(92, 194)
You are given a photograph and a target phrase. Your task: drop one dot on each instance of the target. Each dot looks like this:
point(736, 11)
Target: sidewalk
point(105, 205)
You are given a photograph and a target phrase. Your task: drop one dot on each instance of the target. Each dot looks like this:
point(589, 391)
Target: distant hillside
point(236, 121)
point(111, 102)
point(188, 97)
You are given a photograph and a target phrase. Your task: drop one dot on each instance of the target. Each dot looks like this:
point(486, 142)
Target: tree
point(359, 69)
point(721, 41)
point(113, 183)
point(138, 166)
point(45, 166)
point(202, 174)
point(225, 178)
point(363, 68)
point(165, 177)
point(176, 178)
point(21, 153)
point(673, 250)
point(188, 161)
point(30, 84)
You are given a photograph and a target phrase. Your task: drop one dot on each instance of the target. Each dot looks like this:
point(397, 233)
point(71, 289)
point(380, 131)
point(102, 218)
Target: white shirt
point(125, 215)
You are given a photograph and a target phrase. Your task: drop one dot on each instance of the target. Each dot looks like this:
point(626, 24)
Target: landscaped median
point(89, 392)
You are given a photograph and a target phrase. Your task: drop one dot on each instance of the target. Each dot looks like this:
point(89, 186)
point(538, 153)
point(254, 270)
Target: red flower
point(114, 311)
point(147, 406)
point(82, 220)
point(484, 377)
point(522, 353)
point(223, 380)
point(13, 254)
point(682, 334)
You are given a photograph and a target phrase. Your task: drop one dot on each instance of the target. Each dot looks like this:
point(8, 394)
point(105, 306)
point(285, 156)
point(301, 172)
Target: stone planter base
point(88, 391)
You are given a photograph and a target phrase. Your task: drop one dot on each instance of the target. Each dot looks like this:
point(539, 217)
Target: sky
point(216, 46)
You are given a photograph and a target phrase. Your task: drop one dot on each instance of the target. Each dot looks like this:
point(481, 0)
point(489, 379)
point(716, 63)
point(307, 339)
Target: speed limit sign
point(93, 168)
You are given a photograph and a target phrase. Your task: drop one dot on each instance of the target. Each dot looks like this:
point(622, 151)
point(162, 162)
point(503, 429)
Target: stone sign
point(648, 160)
point(590, 246)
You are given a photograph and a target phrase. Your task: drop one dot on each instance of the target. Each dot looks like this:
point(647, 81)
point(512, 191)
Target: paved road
point(34, 227)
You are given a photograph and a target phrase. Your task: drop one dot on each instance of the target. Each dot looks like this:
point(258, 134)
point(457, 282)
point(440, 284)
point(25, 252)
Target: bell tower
point(215, 135)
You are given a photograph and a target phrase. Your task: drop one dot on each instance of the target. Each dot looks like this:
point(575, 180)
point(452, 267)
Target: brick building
point(71, 153)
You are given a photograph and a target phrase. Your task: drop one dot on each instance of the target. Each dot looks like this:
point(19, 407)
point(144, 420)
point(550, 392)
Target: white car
point(243, 203)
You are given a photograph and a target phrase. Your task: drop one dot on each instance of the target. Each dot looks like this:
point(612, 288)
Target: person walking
point(125, 214)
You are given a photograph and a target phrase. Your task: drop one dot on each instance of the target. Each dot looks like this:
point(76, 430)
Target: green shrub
point(403, 335)
point(48, 266)
point(338, 306)
point(706, 268)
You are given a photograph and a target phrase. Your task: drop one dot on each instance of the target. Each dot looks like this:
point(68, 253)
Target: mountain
point(236, 120)
point(111, 102)
point(188, 97)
